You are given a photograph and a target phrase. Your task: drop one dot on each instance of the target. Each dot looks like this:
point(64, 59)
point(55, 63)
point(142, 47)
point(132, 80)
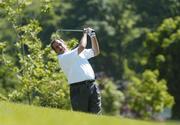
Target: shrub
point(111, 97)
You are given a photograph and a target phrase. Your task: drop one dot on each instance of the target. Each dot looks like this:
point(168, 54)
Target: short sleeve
point(88, 53)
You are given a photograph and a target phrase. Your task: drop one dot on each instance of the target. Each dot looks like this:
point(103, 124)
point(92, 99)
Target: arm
point(95, 45)
point(83, 43)
point(94, 41)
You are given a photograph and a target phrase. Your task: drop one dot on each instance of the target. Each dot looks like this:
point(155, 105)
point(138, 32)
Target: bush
point(41, 80)
point(111, 97)
point(147, 95)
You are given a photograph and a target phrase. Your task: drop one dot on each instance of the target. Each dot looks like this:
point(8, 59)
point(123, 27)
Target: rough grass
point(18, 114)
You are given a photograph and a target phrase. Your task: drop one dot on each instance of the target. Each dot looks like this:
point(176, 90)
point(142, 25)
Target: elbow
point(82, 47)
point(96, 53)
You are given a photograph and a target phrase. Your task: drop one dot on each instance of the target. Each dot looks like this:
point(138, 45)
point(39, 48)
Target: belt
point(82, 82)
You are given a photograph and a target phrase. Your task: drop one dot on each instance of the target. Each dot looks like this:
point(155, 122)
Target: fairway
point(118, 56)
point(18, 114)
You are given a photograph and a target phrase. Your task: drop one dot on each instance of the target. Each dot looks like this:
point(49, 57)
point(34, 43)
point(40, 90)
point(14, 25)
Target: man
point(84, 93)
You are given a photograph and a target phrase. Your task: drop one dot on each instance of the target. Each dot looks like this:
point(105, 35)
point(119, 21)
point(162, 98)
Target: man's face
point(59, 46)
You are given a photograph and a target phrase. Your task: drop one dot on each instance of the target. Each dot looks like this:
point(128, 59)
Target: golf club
point(69, 30)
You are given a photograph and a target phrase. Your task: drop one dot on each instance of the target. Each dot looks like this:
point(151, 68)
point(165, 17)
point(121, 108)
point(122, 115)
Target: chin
point(61, 52)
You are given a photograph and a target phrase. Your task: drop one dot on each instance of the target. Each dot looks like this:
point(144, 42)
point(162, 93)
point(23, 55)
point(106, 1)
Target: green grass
point(18, 114)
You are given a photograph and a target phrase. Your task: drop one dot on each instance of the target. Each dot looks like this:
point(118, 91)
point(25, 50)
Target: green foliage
point(111, 97)
point(161, 49)
point(148, 95)
point(8, 80)
point(128, 32)
point(154, 12)
point(165, 35)
point(72, 43)
point(115, 24)
point(46, 5)
point(42, 82)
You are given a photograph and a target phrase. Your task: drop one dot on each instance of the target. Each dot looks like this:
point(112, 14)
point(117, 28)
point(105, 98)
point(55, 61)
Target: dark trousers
point(85, 97)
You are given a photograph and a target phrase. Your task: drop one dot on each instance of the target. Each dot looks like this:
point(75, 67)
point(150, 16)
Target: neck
point(59, 53)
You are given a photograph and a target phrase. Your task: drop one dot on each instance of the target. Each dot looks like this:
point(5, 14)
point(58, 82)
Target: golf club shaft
point(69, 30)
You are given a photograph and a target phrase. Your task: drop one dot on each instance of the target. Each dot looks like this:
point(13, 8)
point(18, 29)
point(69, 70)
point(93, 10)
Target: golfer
point(84, 92)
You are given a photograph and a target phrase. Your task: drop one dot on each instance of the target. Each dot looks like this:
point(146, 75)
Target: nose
point(61, 47)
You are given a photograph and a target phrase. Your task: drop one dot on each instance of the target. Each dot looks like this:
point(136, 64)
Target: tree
point(161, 49)
point(146, 95)
point(153, 12)
point(42, 83)
point(8, 79)
point(115, 24)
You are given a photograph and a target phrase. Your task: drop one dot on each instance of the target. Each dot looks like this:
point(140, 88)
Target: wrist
point(92, 36)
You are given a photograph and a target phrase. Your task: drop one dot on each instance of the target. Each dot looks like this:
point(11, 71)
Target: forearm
point(83, 43)
point(95, 45)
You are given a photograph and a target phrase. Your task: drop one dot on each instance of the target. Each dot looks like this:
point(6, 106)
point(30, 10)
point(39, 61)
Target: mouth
point(61, 49)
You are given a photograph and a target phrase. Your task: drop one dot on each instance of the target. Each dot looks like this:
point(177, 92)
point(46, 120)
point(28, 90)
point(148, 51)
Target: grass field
point(18, 114)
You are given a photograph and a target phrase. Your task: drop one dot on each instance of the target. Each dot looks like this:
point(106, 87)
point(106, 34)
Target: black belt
point(82, 82)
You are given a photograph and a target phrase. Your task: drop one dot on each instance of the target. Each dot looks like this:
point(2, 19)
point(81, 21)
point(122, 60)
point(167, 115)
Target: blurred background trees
point(139, 42)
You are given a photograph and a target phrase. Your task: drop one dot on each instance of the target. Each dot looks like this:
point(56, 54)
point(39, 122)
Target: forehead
point(58, 42)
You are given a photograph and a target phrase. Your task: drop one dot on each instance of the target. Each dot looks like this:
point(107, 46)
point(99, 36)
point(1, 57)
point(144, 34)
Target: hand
point(91, 32)
point(85, 30)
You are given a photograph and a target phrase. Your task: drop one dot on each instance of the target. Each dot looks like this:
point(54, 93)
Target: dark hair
point(52, 42)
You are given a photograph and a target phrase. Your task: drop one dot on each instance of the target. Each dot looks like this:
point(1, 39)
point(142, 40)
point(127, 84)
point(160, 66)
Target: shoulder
point(72, 52)
point(69, 54)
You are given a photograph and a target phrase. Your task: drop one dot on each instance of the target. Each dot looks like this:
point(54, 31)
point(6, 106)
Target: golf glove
point(91, 32)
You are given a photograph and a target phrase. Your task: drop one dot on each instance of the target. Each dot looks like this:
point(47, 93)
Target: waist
point(82, 82)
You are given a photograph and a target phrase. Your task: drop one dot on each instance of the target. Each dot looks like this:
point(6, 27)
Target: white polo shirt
point(76, 67)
